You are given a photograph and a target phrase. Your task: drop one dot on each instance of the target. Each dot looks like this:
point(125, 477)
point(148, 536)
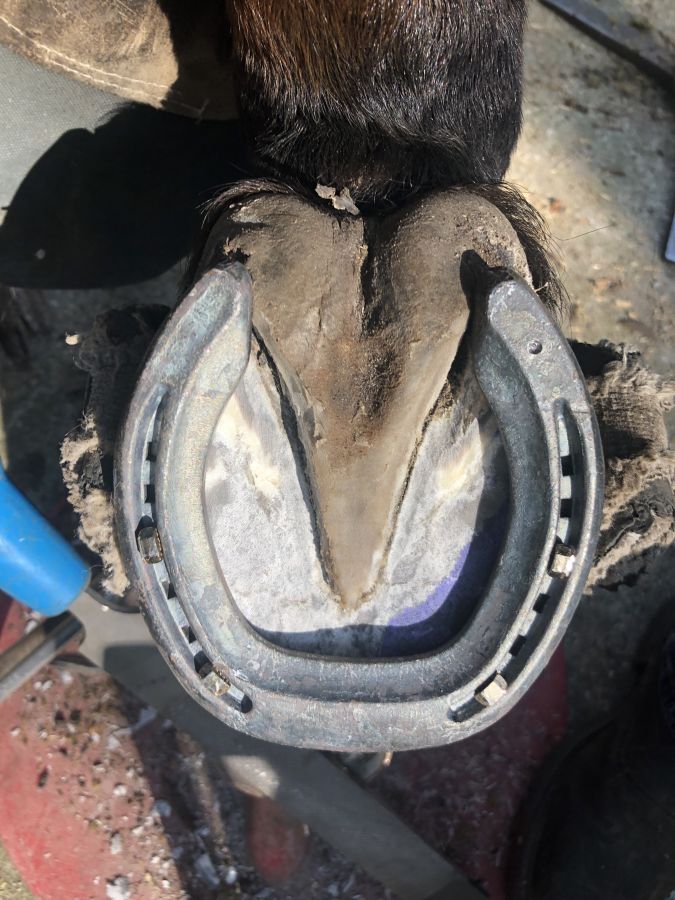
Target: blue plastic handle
point(37, 566)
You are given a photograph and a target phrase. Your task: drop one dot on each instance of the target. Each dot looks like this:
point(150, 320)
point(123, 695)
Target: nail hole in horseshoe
point(534, 347)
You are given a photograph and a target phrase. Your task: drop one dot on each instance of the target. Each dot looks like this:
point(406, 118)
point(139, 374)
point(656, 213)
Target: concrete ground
point(597, 158)
point(11, 885)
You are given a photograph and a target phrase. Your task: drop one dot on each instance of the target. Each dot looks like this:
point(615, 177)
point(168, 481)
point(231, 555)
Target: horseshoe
point(538, 396)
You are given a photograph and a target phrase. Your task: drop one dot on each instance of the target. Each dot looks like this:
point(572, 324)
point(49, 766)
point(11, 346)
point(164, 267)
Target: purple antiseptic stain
point(426, 625)
point(414, 614)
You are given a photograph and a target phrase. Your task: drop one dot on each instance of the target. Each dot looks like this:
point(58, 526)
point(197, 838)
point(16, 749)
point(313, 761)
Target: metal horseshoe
point(538, 395)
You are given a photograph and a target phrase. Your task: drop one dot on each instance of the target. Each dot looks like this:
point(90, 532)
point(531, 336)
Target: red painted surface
point(65, 794)
point(56, 853)
point(277, 843)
